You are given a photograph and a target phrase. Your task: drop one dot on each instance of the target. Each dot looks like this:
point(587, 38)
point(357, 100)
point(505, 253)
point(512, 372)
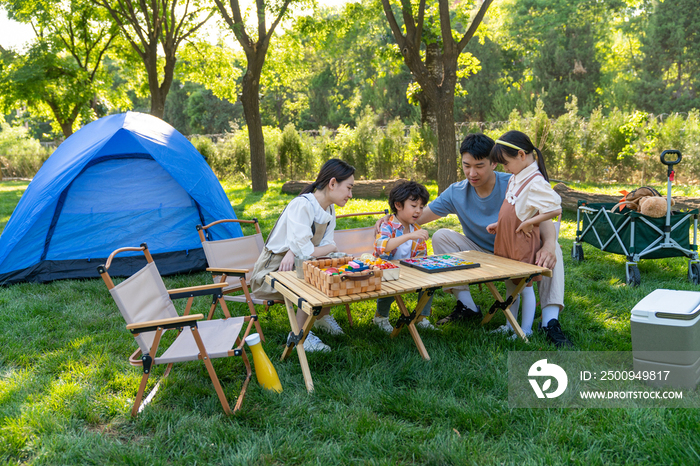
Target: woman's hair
point(508, 145)
point(334, 168)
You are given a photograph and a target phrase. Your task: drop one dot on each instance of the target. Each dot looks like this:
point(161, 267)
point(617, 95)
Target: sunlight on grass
point(66, 387)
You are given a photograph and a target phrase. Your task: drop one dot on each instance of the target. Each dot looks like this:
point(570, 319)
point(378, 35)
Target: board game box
point(441, 263)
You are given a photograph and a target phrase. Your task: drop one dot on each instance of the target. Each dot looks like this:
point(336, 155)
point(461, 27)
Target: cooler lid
point(668, 304)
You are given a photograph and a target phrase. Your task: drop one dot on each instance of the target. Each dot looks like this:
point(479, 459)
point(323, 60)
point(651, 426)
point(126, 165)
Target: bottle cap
point(252, 339)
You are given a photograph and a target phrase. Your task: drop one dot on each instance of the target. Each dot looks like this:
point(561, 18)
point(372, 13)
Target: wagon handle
point(670, 162)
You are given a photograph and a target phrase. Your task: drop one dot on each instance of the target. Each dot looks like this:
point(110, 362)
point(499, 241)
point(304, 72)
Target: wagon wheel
point(634, 278)
point(577, 252)
point(694, 273)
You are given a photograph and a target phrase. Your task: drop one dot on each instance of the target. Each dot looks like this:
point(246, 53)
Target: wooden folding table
point(310, 300)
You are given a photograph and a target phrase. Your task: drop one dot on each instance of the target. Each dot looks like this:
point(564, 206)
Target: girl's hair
point(508, 145)
point(334, 168)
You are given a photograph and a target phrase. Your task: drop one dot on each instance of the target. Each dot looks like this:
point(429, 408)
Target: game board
point(441, 263)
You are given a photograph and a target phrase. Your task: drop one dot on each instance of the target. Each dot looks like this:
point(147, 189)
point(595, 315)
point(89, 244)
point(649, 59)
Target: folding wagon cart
point(638, 236)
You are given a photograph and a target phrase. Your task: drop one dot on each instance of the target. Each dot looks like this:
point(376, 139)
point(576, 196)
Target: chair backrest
point(143, 297)
point(355, 241)
point(234, 253)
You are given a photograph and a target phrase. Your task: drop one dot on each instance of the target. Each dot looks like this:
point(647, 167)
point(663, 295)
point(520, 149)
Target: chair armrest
point(202, 290)
point(173, 322)
point(233, 272)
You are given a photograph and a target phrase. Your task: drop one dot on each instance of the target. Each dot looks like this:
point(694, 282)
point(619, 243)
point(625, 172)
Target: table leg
point(300, 346)
point(509, 316)
point(411, 326)
point(417, 316)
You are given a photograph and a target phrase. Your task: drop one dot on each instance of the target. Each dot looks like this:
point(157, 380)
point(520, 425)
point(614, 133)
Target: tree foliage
point(62, 72)
point(164, 24)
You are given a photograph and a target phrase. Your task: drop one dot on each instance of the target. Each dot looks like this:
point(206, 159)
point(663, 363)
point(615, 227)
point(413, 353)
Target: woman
point(305, 228)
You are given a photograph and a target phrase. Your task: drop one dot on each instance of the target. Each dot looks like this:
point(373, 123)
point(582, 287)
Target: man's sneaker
point(328, 325)
point(313, 344)
point(461, 312)
point(383, 323)
point(556, 335)
point(425, 323)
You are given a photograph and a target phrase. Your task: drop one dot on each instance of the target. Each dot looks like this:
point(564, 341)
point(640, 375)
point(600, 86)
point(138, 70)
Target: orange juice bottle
point(264, 370)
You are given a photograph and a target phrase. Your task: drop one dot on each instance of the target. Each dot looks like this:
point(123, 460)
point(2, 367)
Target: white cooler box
point(666, 337)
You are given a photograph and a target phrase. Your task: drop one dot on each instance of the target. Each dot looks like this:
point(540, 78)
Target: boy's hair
point(409, 190)
point(478, 145)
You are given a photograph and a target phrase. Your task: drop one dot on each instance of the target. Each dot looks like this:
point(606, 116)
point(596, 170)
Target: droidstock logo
point(547, 371)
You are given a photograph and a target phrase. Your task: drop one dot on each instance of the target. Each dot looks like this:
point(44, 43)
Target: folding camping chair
point(356, 241)
point(147, 307)
point(235, 257)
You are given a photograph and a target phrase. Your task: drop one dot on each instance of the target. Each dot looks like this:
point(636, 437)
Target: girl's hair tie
point(507, 144)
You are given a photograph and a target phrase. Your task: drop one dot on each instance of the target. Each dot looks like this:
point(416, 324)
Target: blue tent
point(120, 181)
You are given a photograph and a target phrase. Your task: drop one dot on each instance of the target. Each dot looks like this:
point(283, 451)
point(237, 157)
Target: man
point(476, 201)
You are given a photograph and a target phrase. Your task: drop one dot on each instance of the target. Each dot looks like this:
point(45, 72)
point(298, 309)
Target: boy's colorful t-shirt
point(393, 229)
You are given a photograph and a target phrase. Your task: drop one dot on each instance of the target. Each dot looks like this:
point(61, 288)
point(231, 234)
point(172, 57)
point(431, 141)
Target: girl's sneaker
point(383, 323)
point(313, 344)
point(329, 325)
point(425, 323)
point(503, 329)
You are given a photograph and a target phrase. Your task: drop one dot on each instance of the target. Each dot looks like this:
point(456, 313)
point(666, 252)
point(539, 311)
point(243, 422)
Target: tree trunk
point(150, 60)
point(157, 105)
point(435, 72)
point(447, 146)
point(251, 110)
point(66, 127)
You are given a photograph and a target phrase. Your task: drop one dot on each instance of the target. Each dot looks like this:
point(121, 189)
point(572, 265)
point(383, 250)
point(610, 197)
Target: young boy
point(400, 237)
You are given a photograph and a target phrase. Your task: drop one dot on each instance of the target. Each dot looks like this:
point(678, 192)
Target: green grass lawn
point(66, 387)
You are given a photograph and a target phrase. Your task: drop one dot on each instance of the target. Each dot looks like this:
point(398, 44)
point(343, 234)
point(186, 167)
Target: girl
point(529, 201)
point(305, 228)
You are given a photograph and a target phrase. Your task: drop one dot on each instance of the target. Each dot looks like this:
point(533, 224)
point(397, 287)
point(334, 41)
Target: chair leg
point(212, 372)
point(347, 308)
point(249, 373)
point(139, 395)
point(211, 310)
point(249, 299)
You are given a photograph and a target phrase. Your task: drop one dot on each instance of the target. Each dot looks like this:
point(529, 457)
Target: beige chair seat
point(219, 337)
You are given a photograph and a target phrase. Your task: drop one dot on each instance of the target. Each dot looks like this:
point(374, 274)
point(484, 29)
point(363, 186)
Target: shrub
point(206, 147)
point(233, 155)
point(291, 153)
point(420, 157)
point(356, 145)
point(272, 137)
point(21, 156)
point(389, 160)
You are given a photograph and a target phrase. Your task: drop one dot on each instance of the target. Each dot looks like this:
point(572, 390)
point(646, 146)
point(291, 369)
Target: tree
point(146, 25)
point(255, 52)
point(670, 80)
point(353, 63)
point(62, 73)
point(435, 71)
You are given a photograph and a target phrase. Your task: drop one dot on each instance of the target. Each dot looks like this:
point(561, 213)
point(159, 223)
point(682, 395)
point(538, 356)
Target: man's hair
point(478, 145)
point(410, 190)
